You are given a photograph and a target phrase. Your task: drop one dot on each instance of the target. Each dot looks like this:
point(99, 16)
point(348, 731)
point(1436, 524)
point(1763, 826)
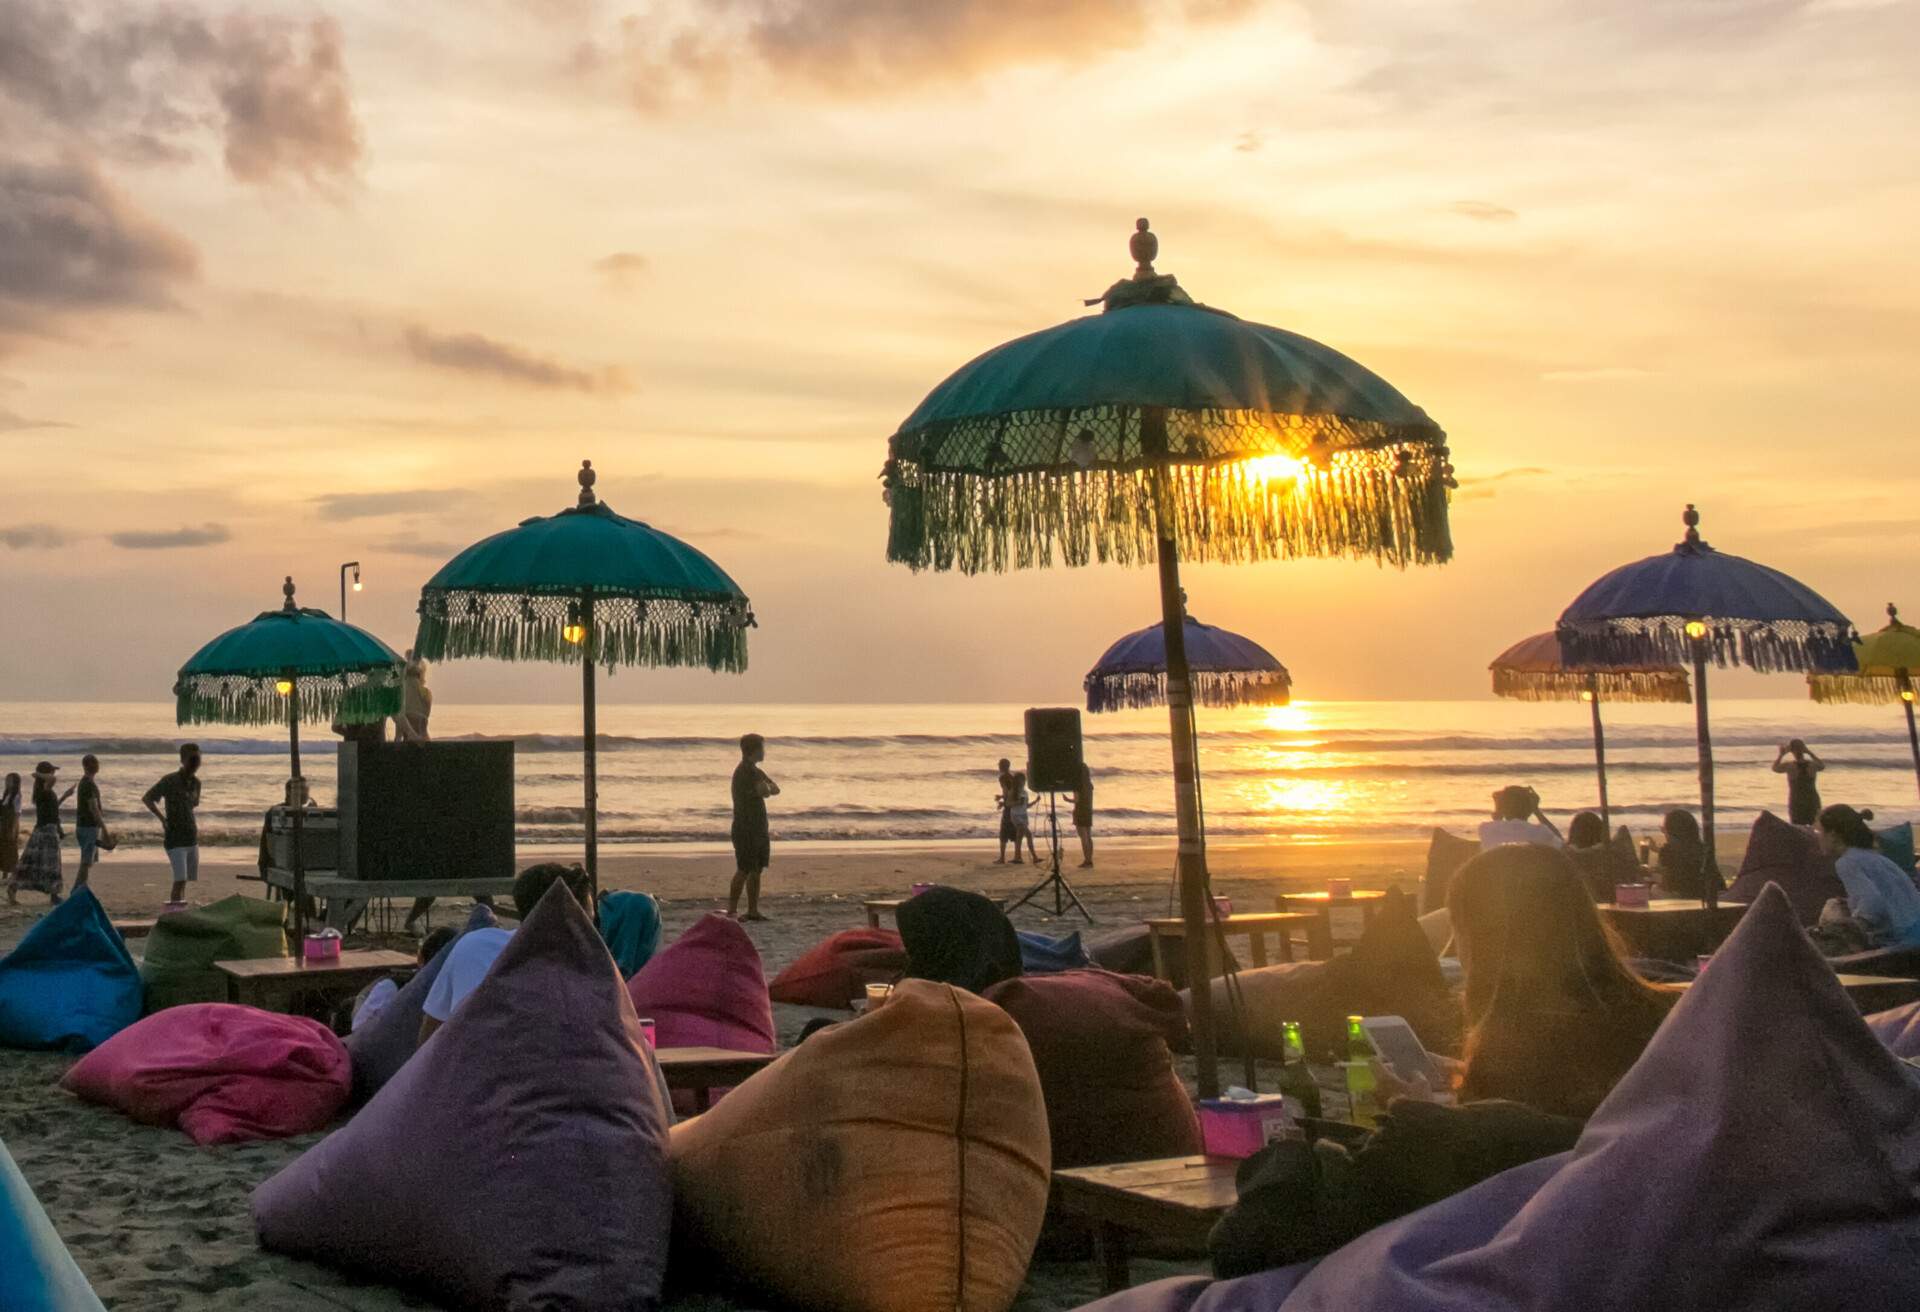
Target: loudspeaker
point(426, 810)
point(1053, 749)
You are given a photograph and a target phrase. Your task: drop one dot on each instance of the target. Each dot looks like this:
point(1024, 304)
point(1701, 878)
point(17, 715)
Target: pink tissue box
point(1224, 905)
point(918, 889)
point(1235, 1127)
point(1632, 895)
point(323, 947)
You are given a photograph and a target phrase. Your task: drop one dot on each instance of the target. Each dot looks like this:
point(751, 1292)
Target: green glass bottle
point(1362, 1096)
point(1297, 1084)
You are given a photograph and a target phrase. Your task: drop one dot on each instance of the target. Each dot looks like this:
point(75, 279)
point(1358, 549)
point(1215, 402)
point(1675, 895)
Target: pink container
point(1700, 963)
point(322, 947)
point(1632, 895)
point(1340, 888)
point(1224, 905)
point(918, 889)
point(651, 1032)
point(1241, 1127)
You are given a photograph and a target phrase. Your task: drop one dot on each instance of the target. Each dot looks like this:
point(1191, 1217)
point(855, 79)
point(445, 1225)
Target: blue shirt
point(1881, 898)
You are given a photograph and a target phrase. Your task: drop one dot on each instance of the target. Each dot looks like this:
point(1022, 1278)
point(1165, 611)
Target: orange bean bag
point(896, 1163)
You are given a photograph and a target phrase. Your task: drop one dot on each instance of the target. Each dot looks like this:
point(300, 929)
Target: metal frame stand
point(1057, 882)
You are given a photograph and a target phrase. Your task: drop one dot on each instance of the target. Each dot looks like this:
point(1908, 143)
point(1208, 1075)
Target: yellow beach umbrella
point(1889, 658)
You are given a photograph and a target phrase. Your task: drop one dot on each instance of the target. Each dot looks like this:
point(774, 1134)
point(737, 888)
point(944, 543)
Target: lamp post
point(353, 565)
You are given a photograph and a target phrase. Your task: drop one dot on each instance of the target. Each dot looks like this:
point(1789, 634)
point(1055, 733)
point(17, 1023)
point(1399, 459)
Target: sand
point(158, 1224)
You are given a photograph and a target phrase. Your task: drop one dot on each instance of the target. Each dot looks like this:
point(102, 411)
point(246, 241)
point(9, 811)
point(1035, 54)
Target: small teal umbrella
point(588, 586)
point(285, 666)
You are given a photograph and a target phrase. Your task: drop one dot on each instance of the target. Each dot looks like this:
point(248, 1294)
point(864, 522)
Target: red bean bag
point(518, 1161)
point(1103, 1046)
point(707, 990)
point(222, 1073)
point(835, 972)
point(1790, 856)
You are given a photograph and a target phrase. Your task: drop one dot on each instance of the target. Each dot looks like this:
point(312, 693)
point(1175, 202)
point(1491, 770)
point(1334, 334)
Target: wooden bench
point(701, 1070)
point(880, 906)
point(134, 927)
point(1175, 1201)
point(274, 983)
point(1365, 902)
point(1253, 926)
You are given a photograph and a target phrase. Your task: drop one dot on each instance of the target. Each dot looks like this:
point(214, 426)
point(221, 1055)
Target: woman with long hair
point(1882, 906)
point(10, 826)
point(38, 869)
point(1803, 788)
point(1555, 1015)
point(1682, 856)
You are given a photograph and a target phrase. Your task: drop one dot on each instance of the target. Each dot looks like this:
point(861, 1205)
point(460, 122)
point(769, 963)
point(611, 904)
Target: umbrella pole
point(593, 747)
point(1913, 735)
point(1600, 753)
point(1709, 865)
point(1192, 851)
point(297, 796)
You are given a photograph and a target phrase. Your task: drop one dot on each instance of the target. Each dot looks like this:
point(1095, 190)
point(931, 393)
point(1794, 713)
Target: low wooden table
point(702, 1070)
point(344, 899)
point(133, 927)
point(1673, 928)
point(880, 906)
point(1367, 901)
point(268, 981)
point(1176, 1200)
point(1254, 926)
point(1873, 993)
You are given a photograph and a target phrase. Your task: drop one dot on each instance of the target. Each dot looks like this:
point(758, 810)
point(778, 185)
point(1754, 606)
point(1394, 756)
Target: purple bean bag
point(1764, 1154)
point(707, 989)
point(1899, 1029)
point(1790, 856)
point(518, 1161)
point(382, 1046)
point(1257, 1293)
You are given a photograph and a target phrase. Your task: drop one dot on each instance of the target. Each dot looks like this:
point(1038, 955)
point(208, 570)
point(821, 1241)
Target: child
point(1017, 802)
point(1006, 821)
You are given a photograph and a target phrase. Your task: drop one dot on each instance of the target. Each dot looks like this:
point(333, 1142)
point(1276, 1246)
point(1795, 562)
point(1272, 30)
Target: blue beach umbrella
point(1156, 429)
point(1695, 603)
point(1224, 669)
point(592, 587)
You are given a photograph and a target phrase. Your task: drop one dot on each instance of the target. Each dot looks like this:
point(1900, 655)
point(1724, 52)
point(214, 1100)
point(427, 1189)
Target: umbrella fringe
point(1855, 689)
point(1771, 647)
point(706, 633)
point(1359, 490)
point(1137, 691)
point(1614, 685)
point(356, 697)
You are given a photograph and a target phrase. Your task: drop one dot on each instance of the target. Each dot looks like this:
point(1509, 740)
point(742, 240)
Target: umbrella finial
point(1893, 613)
point(586, 483)
point(1143, 246)
point(286, 590)
point(1691, 543)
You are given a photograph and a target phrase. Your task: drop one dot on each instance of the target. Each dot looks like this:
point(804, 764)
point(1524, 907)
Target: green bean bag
point(178, 962)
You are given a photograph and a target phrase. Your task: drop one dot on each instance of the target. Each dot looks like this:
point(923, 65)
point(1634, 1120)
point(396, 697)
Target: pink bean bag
point(223, 1074)
point(835, 972)
point(707, 990)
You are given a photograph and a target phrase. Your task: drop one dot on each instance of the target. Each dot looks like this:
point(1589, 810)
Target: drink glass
point(1339, 888)
point(648, 1030)
point(877, 995)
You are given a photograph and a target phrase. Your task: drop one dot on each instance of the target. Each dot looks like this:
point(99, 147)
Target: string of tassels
point(1571, 685)
point(705, 633)
point(358, 697)
point(1767, 646)
point(1136, 691)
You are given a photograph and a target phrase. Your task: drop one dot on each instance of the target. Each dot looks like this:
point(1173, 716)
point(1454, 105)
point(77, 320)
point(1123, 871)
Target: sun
point(1273, 469)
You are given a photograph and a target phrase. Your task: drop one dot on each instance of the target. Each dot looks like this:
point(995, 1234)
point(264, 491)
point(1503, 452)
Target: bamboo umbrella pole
point(1703, 736)
point(1913, 735)
point(1600, 751)
point(587, 647)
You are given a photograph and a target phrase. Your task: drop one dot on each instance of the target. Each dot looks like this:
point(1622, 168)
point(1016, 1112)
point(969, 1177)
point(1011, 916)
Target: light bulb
point(1696, 629)
point(356, 585)
point(575, 633)
point(1586, 694)
point(284, 687)
point(1906, 694)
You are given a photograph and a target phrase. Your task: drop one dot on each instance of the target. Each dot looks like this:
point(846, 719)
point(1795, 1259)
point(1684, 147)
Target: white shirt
point(1880, 897)
point(374, 1001)
point(1498, 833)
point(468, 962)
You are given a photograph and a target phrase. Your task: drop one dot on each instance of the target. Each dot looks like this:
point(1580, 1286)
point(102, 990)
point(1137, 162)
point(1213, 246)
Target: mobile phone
point(1399, 1049)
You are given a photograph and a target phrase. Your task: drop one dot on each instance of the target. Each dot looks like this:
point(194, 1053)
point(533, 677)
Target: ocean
point(1314, 771)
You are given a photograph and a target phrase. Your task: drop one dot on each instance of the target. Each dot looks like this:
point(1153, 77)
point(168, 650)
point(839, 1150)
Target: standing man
point(1083, 815)
point(89, 818)
point(752, 842)
point(180, 834)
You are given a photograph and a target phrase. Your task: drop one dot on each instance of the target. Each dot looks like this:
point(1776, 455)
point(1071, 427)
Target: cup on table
point(1631, 895)
point(650, 1031)
point(1339, 888)
point(1700, 962)
point(918, 889)
point(877, 995)
point(1223, 905)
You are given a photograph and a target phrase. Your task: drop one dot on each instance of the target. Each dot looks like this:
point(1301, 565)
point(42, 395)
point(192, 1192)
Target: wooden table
point(133, 927)
point(344, 899)
point(1254, 926)
point(1873, 993)
point(1175, 1200)
point(880, 906)
point(1367, 901)
point(1673, 928)
point(701, 1070)
point(268, 981)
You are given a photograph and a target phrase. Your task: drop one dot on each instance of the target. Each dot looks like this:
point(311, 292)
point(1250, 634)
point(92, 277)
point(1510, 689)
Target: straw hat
point(46, 769)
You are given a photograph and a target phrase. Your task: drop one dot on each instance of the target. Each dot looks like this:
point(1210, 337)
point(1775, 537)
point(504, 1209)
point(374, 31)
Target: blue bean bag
point(630, 923)
point(382, 1046)
point(1896, 844)
point(70, 985)
point(519, 1160)
point(1040, 955)
point(37, 1273)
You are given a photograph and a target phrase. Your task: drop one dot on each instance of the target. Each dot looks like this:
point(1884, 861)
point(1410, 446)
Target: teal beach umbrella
point(586, 586)
point(283, 667)
point(1154, 430)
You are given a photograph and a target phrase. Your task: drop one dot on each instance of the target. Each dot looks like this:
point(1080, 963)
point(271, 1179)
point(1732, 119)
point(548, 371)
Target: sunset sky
point(292, 284)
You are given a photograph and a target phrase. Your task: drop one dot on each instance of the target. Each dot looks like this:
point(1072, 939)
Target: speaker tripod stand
point(1054, 882)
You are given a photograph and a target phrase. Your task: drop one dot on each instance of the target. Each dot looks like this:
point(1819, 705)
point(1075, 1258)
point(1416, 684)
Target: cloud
point(406, 544)
point(33, 537)
point(1485, 487)
point(145, 84)
point(14, 423)
point(472, 353)
point(1485, 211)
point(1602, 374)
point(622, 269)
point(372, 505)
point(70, 244)
point(206, 535)
point(670, 49)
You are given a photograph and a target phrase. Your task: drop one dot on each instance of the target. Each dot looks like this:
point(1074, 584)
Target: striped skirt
point(39, 868)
